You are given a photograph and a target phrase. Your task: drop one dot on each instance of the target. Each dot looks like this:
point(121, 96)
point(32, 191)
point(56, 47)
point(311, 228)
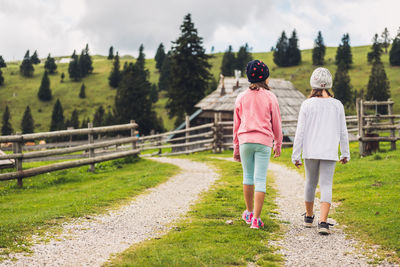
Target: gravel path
point(90, 242)
point(302, 246)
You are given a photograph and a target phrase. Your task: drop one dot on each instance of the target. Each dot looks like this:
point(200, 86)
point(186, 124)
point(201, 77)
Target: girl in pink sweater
point(256, 129)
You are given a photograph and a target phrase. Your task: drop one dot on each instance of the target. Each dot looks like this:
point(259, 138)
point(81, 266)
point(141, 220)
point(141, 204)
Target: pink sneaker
point(247, 216)
point(256, 223)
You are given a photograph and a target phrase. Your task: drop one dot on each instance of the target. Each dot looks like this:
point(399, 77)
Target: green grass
point(203, 238)
point(18, 92)
point(49, 199)
point(367, 191)
point(100, 93)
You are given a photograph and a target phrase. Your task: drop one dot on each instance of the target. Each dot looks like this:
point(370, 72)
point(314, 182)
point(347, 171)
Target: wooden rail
point(370, 125)
point(19, 156)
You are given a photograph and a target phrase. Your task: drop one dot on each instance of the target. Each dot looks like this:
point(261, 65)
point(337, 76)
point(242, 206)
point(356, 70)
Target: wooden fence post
point(215, 134)
point(187, 134)
point(17, 148)
point(91, 150)
point(133, 134)
point(220, 132)
point(360, 116)
point(392, 131)
point(70, 137)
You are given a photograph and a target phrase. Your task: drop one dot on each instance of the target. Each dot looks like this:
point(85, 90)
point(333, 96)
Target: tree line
point(185, 77)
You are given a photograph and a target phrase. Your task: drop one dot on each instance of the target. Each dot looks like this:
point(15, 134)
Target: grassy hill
point(18, 92)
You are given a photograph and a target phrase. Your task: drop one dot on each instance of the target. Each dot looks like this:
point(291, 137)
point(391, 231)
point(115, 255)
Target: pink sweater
point(257, 119)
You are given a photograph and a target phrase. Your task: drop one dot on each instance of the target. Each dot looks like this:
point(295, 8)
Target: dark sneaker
point(308, 220)
point(323, 228)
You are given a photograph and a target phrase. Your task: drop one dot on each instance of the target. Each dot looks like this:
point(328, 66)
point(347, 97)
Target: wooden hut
point(222, 100)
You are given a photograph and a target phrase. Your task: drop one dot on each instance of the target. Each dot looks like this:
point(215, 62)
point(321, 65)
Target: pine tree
point(111, 53)
point(385, 39)
point(57, 117)
point(318, 52)
point(6, 128)
point(109, 118)
point(74, 120)
point(140, 62)
point(378, 85)
point(50, 65)
point(98, 118)
point(82, 92)
point(190, 68)
point(281, 50)
point(35, 59)
point(27, 123)
point(125, 67)
point(85, 123)
point(394, 54)
point(82, 64)
point(2, 62)
point(132, 101)
point(62, 77)
point(74, 69)
point(294, 53)
point(228, 62)
point(343, 53)
point(87, 62)
point(164, 81)
point(154, 93)
point(160, 55)
point(342, 87)
point(44, 93)
point(375, 54)
point(26, 69)
point(242, 58)
point(115, 75)
point(1, 78)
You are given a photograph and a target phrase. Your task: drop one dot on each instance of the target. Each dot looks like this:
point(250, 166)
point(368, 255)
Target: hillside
point(18, 91)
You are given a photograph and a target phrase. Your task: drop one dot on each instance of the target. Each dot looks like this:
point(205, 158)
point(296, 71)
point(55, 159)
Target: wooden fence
point(90, 158)
point(371, 124)
point(215, 136)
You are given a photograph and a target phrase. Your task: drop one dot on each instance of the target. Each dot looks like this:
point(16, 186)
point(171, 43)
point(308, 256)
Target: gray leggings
point(324, 170)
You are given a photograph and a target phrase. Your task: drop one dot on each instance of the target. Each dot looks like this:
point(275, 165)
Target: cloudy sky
point(60, 26)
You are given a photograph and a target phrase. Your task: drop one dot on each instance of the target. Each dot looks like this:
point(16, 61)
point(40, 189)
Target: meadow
point(18, 92)
point(47, 200)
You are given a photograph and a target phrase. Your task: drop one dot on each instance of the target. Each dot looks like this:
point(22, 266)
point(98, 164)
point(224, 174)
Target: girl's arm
point(344, 137)
point(236, 124)
point(298, 139)
point(276, 121)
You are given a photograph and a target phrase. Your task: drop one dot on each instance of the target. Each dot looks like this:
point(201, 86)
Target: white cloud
point(61, 26)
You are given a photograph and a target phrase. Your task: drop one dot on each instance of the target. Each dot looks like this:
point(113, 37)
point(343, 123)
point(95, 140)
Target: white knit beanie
point(321, 78)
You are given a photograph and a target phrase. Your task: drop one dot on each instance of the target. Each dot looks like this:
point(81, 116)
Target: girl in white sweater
point(321, 126)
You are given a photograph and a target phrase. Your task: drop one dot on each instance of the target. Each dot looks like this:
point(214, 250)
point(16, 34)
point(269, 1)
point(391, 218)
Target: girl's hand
point(236, 158)
point(277, 153)
point(298, 164)
point(344, 160)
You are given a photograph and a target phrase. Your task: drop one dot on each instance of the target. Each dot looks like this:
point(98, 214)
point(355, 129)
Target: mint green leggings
point(255, 159)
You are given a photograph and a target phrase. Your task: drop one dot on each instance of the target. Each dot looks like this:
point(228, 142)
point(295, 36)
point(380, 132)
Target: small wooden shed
point(222, 100)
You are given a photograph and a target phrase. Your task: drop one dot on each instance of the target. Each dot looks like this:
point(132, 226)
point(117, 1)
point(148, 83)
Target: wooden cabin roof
point(289, 98)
